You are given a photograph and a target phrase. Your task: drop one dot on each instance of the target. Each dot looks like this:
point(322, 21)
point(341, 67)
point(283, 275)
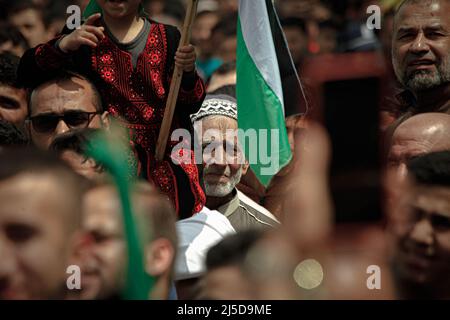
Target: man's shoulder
point(259, 213)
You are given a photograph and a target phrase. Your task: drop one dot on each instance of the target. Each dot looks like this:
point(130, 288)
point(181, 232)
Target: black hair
point(8, 69)
point(8, 32)
point(432, 169)
point(175, 9)
point(11, 136)
point(233, 249)
point(229, 90)
point(76, 141)
point(294, 22)
point(226, 67)
point(227, 25)
point(56, 10)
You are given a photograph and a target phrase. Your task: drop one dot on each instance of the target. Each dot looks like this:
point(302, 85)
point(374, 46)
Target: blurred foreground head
point(332, 260)
point(40, 205)
point(419, 135)
point(105, 267)
point(420, 225)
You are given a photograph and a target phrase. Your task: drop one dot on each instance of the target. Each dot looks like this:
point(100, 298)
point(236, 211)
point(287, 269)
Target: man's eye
point(406, 36)
point(99, 237)
point(434, 34)
point(440, 222)
point(7, 103)
point(20, 233)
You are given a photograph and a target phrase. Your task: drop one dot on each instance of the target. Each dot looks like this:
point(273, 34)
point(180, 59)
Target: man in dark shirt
point(421, 56)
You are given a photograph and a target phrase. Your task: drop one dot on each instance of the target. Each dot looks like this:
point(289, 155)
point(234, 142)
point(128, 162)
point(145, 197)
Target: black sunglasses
point(45, 123)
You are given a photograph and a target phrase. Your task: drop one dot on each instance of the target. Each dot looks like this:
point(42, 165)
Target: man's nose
point(62, 127)
point(402, 171)
point(420, 44)
point(422, 233)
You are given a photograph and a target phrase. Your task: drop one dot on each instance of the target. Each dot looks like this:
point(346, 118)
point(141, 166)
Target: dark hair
point(66, 75)
point(8, 32)
point(229, 90)
point(227, 25)
point(55, 11)
point(226, 67)
point(294, 22)
point(8, 69)
point(74, 140)
point(175, 9)
point(432, 169)
point(11, 136)
point(21, 5)
point(233, 249)
point(16, 161)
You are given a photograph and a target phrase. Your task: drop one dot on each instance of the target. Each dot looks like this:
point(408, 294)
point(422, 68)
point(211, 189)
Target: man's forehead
point(58, 96)
point(220, 123)
point(423, 14)
point(31, 189)
point(11, 91)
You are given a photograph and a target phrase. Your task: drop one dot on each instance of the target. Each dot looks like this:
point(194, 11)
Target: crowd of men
point(60, 206)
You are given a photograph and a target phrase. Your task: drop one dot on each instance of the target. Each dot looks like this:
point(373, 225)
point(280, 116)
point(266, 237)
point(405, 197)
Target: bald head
point(421, 134)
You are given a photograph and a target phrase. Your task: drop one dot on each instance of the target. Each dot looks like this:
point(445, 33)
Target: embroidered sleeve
point(49, 57)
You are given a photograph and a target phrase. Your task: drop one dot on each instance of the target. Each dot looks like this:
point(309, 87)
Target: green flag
point(113, 155)
point(261, 94)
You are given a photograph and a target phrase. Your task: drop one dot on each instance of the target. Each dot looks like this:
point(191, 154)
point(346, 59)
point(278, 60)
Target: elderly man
point(224, 164)
point(67, 101)
point(421, 55)
point(421, 134)
point(420, 226)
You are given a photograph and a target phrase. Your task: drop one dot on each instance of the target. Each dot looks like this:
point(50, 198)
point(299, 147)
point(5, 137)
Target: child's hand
point(88, 35)
point(185, 58)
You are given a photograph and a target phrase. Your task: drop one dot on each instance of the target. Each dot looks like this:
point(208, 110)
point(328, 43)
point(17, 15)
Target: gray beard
point(425, 80)
point(221, 190)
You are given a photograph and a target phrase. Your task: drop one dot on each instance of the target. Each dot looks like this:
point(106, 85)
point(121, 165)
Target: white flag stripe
point(257, 35)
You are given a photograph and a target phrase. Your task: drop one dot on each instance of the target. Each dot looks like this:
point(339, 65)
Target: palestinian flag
point(267, 87)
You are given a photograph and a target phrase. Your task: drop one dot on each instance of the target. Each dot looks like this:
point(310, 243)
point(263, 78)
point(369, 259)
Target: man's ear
point(105, 120)
point(159, 256)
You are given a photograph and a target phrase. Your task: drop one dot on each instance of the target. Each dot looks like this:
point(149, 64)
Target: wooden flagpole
point(175, 84)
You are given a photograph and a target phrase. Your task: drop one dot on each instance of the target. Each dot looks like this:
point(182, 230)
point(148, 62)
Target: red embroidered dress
point(137, 96)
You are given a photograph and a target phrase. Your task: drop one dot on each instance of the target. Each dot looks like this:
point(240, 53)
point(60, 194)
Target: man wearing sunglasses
point(66, 102)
